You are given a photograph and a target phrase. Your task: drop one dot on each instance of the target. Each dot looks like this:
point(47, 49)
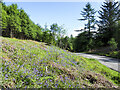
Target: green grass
point(28, 64)
point(112, 54)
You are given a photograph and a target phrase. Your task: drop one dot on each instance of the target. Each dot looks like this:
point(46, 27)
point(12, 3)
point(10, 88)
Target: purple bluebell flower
point(18, 65)
point(14, 79)
point(27, 76)
point(38, 83)
point(60, 76)
point(6, 75)
point(41, 75)
point(26, 82)
point(22, 48)
point(65, 77)
point(24, 72)
point(34, 55)
point(7, 65)
point(6, 78)
point(50, 80)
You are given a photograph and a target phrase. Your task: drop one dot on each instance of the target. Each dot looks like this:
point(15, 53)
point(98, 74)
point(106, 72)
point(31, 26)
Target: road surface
point(112, 63)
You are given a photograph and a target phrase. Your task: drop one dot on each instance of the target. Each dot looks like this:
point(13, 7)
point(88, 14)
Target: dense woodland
point(17, 24)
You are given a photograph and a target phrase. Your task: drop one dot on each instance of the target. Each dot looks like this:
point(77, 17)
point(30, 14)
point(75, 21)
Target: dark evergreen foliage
point(108, 27)
point(88, 14)
point(17, 24)
point(109, 15)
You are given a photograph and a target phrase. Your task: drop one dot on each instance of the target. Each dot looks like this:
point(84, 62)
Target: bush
point(113, 44)
point(118, 55)
point(83, 43)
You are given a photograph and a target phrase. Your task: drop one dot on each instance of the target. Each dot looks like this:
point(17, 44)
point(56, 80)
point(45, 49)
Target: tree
point(88, 14)
point(66, 43)
point(39, 32)
point(57, 33)
point(117, 34)
point(81, 42)
point(0, 18)
point(109, 14)
point(113, 44)
point(33, 31)
point(5, 31)
point(16, 23)
point(84, 41)
point(54, 28)
point(4, 23)
point(45, 37)
point(60, 34)
point(24, 25)
point(13, 20)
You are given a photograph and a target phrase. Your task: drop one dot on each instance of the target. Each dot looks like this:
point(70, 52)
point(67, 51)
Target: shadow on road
point(110, 60)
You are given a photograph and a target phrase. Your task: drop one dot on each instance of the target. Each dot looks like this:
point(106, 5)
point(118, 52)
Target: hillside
point(28, 64)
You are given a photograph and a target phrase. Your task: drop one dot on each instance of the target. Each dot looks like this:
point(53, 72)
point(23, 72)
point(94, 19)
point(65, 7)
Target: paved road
point(109, 62)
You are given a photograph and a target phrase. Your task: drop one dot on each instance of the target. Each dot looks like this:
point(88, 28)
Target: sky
point(65, 14)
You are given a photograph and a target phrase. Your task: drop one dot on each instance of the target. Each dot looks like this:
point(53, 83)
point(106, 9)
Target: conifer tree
point(0, 18)
point(24, 24)
point(14, 24)
point(109, 15)
point(88, 14)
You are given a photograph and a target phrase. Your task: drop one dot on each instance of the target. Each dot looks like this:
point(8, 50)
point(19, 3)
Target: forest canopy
point(17, 24)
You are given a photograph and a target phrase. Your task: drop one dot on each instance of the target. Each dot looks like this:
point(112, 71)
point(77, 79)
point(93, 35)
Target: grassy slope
point(112, 54)
point(27, 63)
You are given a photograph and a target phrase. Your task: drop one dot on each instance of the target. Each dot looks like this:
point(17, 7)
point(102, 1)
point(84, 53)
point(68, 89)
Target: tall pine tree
point(88, 14)
point(109, 15)
point(24, 24)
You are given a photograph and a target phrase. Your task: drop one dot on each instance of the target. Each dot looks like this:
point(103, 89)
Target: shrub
point(113, 44)
point(118, 55)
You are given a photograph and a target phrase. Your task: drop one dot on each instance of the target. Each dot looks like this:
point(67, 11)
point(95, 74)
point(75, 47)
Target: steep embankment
point(28, 64)
point(107, 61)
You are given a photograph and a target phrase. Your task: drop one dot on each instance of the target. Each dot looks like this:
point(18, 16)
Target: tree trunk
point(60, 43)
point(89, 28)
point(11, 33)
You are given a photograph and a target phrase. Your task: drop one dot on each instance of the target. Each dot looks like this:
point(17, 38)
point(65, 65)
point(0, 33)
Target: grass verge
point(31, 64)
